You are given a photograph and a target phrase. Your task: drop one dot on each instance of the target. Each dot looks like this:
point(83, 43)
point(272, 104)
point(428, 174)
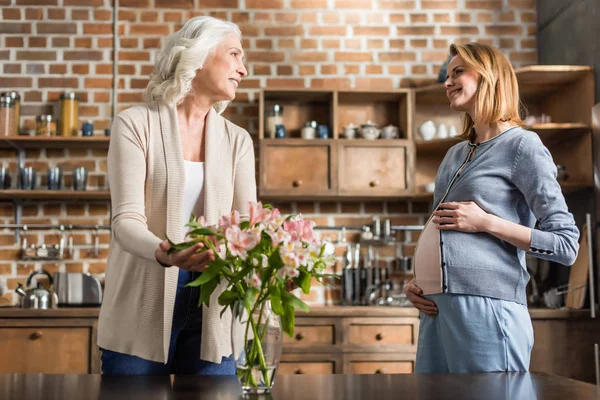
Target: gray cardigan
point(513, 177)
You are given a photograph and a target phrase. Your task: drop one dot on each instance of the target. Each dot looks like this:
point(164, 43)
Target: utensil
point(4, 178)
point(370, 130)
point(389, 132)
point(427, 130)
point(80, 175)
point(54, 178)
point(37, 297)
point(27, 178)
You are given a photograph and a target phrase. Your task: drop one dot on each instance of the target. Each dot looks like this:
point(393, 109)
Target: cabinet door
point(399, 363)
point(45, 350)
point(375, 167)
point(308, 363)
point(297, 167)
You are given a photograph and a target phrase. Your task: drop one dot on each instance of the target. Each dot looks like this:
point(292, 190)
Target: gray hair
point(183, 53)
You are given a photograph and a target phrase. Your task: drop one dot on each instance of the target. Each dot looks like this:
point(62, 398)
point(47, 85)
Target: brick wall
point(47, 46)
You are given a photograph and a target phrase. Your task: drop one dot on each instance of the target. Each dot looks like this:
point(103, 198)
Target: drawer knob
point(297, 183)
point(380, 336)
point(380, 371)
point(36, 335)
point(374, 183)
point(299, 336)
point(299, 372)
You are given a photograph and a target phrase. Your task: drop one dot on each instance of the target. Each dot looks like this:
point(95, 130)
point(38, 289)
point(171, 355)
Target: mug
point(80, 175)
point(54, 178)
point(4, 178)
point(27, 178)
point(280, 131)
point(323, 131)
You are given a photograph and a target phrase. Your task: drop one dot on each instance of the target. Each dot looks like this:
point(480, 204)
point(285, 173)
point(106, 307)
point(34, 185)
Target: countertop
point(491, 386)
point(321, 311)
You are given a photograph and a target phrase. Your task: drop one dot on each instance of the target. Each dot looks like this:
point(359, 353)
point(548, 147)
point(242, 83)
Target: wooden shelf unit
point(54, 142)
point(51, 195)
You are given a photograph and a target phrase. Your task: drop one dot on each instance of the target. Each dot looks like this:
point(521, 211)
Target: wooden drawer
point(306, 368)
point(368, 332)
point(378, 167)
point(311, 334)
point(297, 167)
point(45, 350)
point(381, 367)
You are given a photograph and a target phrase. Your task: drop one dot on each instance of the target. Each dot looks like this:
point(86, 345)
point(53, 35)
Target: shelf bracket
point(18, 209)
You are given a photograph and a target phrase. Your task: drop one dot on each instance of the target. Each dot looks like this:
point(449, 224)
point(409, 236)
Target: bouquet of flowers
point(260, 259)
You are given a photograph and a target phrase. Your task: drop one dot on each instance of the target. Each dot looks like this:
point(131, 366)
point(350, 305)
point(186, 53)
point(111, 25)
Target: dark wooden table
point(513, 386)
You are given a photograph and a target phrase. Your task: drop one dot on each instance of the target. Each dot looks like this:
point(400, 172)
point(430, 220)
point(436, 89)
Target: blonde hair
point(497, 96)
point(184, 52)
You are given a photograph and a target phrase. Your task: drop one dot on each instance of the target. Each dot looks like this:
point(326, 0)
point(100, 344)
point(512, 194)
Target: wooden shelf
point(552, 133)
point(436, 145)
point(537, 80)
point(574, 186)
point(54, 142)
point(433, 94)
point(62, 195)
point(345, 198)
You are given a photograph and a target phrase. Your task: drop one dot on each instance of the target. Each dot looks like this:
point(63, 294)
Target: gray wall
point(569, 34)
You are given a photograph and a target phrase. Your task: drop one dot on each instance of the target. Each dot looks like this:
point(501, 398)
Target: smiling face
point(222, 73)
point(461, 85)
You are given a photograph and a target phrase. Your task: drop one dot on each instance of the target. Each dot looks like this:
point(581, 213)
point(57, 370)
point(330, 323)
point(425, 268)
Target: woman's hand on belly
point(464, 216)
point(413, 293)
point(191, 259)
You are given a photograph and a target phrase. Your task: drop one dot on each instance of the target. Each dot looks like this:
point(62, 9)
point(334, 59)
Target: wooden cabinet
point(375, 168)
point(297, 167)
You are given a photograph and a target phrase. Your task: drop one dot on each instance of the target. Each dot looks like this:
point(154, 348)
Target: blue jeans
point(474, 334)
point(184, 351)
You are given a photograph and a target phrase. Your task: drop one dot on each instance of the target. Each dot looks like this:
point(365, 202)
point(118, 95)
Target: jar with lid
point(69, 114)
point(16, 98)
point(7, 116)
point(275, 118)
point(45, 125)
point(310, 130)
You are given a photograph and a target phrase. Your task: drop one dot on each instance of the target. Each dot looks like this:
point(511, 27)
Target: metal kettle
point(37, 297)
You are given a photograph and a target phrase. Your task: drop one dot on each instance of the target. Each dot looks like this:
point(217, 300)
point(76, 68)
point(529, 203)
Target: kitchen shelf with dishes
point(53, 142)
point(51, 195)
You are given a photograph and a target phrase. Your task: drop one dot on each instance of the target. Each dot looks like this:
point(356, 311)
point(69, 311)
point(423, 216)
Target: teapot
point(390, 132)
point(370, 130)
point(37, 297)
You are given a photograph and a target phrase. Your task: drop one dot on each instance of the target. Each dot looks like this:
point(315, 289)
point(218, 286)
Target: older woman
point(169, 157)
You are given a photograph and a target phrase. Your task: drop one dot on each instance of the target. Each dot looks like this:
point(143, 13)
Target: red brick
point(374, 70)
point(219, 4)
point(140, 3)
point(19, 82)
point(57, 82)
point(98, 83)
point(522, 4)
point(57, 13)
point(284, 31)
point(318, 4)
point(134, 56)
point(347, 56)
point(304, 70)
point(130, 97)
point(37, 2)
point(285, 83)
point(97, 29)
point(397, 4)
point(361, 4)
point(62, 28)
point(149, 16)
point(397, 43)
point(267, 56)
point(397, 56)
point(36, 55)
point(375, 44)
point(418, 18)
point(439, 5)
point(13, 27)
point(441, 18)
point(236, 17)
point(12, 68)
point(35, 69)
point(526, 56)
point(101, 97)
point(126, 69)
point(418, 69)
point(327, 31)
point(460, 30)
point(528, 17)
point(86, 3)
point(484, 4)
point(529, 43)
point(11, 13)
point(149, 29)
point(286, 18)
point(371, 31)
point(128, 43)
point(330, 69)
point(415, 30)
point(105, 42)
point(34, 13)
point(331, 43)
point(14, 42)
point(61, 42)
point(138, 83)
point(81, 69)
point(179, 4)
point(339, 83)
point(374, 83)
point(509, 30)
point(434, 56)
point(308, 56)
point(80, 15)
point(36, 41)
point(353, 44)
point(282, 70)
point(83, 42)
point(103, 15)
point(397, 18)
point(151, 43)
point(126, 15)
point(264, 4)
point(506, 43)
point(83, 55)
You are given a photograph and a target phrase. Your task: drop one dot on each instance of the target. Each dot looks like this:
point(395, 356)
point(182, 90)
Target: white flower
point(265, 261)
point(255, 262)
point(253, 281)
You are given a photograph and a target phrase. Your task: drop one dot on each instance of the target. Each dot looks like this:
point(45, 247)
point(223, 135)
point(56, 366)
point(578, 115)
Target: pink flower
point(300, 230)
point(287, 272)
point(279, 236)
point(225, 222)
point(253, 281)
point(258, 214)
point(239, 242)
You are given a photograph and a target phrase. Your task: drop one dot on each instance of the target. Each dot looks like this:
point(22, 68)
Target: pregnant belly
point(428, 260)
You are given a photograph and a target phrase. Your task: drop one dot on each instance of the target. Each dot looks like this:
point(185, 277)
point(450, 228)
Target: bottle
point(276, 118)
point(69, 114)
point(45, 125)
point(16, 98)
point(7, 116)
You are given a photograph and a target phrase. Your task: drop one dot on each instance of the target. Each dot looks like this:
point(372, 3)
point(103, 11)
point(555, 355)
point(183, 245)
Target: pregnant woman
point(470, 273)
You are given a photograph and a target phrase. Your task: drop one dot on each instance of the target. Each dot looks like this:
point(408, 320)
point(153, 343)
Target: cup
point(280, 131)
point(80, 175)
point(87, 129)
point(323, 131)
point(54, 178)
point(27, 178)
point(4, 178)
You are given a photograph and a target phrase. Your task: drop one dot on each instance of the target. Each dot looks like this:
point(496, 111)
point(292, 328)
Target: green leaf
point(293, 301)
point(275, 260)
point(227, 297)
point(276, 304)
point(214, 268)
point(192, 217)
point(304, 281)
point(206, 291)
point(180, 246)
point(250, 296)
point(203, 232)
point(223, 311)
point(244, 225)
point(238, 309)
point(288, 319)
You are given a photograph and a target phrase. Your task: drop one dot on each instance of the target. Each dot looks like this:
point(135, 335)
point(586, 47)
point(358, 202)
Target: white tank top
point(193, 191)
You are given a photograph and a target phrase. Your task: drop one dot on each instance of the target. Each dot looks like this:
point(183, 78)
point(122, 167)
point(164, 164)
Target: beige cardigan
point(146, 174)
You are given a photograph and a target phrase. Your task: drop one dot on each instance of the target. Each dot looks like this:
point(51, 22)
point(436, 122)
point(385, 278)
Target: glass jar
point(16, 98)
point(274, 119)
point(7, 116)
point(45, 125)
point(69, 114)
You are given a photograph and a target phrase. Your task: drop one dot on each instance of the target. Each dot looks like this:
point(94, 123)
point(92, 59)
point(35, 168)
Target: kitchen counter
point(316, 311)
point(293, 387)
